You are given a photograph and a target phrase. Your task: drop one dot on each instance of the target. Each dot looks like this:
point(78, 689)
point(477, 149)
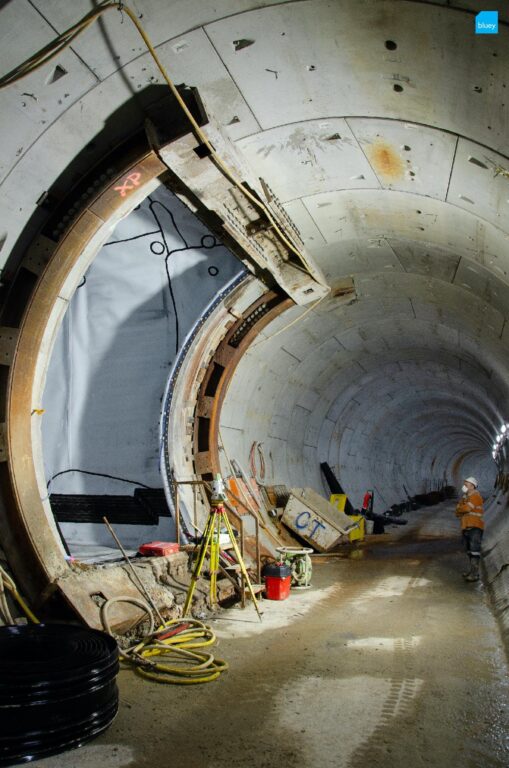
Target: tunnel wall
point(386, 166)
point(495, 560)
point(341, 385)
point(391, 172)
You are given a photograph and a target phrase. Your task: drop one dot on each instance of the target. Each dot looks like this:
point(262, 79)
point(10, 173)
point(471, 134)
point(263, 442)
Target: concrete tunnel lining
point(364, 333)
point(387, 146)
point(298, 368)
point(288, 413)
point(390, 207)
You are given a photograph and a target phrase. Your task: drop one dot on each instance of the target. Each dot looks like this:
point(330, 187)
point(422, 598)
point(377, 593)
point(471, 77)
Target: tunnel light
point(503, 429)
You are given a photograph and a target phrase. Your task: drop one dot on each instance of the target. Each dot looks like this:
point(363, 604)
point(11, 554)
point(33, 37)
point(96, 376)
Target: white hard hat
point(471, 480)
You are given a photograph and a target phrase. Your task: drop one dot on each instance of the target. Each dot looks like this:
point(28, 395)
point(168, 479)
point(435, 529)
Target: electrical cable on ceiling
point(64, 40)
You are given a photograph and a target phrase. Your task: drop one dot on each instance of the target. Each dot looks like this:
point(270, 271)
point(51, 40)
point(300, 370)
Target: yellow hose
point(24, 607)
point(188, 666)
point(9, 584)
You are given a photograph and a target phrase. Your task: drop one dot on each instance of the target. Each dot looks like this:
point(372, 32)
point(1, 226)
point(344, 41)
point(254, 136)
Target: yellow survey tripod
point(211, 544)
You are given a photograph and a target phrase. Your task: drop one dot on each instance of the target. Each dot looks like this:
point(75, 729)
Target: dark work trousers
point(472, 538)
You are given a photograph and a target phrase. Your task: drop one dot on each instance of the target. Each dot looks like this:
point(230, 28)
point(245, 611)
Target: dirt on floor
point(389, 660)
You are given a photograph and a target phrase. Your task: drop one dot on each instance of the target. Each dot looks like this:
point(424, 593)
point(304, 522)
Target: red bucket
point(278, 579)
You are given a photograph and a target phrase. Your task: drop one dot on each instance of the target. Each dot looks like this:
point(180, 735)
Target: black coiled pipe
point(57, 689)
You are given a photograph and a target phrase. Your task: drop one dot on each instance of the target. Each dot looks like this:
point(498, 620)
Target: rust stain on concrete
point(385, 161)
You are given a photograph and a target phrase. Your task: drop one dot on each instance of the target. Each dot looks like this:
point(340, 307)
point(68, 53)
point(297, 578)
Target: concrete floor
point(390, 660)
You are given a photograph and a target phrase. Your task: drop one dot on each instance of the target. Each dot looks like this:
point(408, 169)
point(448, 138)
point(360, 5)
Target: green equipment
point(298, 558)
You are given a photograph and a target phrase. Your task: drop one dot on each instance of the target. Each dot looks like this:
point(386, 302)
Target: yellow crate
point(338, 500)
point(358, 533)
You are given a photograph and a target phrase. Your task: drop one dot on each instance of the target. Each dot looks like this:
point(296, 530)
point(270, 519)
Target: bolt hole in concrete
point(56, 74)
point(398, 88)
point(477, 162)
point(391, 45)
point(238, 45)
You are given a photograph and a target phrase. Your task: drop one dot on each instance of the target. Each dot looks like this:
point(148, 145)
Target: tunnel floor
point(390, 660)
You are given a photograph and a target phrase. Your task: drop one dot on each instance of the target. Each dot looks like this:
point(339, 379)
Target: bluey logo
point(486, 23)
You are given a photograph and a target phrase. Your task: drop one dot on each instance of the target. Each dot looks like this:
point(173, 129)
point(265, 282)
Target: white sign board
point(315, 520)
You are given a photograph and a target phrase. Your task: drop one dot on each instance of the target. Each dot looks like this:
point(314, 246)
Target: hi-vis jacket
point(470, 510)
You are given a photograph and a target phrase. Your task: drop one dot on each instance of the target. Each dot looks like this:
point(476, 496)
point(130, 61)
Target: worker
point(471, 513)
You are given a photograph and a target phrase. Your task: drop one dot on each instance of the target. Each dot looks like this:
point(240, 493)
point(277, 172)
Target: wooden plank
point(88, 590)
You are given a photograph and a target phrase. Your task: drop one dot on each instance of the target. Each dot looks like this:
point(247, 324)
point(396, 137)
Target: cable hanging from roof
point(65, 39)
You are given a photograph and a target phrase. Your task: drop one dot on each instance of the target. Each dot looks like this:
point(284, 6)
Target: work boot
point(465, 574)
point(474, 572)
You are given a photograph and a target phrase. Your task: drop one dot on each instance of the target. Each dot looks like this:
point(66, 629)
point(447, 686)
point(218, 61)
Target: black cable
point(101, 474)
point(169, 252)
point(129, 239)
point(62, 539)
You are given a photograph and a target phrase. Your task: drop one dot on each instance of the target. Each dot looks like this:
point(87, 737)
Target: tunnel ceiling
point(382, 127)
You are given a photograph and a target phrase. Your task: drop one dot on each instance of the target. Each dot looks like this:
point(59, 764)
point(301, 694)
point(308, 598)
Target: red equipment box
point(159, 548)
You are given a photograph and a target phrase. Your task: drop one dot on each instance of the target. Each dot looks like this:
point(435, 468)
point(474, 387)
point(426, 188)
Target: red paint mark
point(130, 182)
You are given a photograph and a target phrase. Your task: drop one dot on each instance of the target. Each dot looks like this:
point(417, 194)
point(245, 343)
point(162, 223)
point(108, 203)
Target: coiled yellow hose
point(180, 640)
